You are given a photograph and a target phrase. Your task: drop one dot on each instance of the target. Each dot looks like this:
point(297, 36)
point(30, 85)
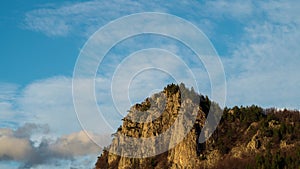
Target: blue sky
point(258, 44)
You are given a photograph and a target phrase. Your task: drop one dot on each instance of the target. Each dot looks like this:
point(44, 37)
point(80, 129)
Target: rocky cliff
point(163, 132)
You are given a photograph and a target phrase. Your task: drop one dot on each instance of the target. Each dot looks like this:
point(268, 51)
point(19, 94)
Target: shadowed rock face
point(241, 139)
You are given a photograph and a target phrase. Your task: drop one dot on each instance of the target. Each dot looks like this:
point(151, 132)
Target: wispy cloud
point(263, 38)
point(81, 17)
point(84, 18)
point(263, 69)
point(235, 9)
point(8, 94)
point(8, 91)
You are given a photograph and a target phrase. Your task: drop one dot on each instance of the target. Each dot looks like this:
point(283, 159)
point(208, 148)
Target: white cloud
point(49, 101)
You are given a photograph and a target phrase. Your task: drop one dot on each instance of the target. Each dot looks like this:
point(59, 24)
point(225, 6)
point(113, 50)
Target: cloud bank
point(18, 145)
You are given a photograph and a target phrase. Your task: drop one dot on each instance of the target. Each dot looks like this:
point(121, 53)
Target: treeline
point(185, 93)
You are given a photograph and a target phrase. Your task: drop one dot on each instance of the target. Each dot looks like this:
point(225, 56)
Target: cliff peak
point(163, 132)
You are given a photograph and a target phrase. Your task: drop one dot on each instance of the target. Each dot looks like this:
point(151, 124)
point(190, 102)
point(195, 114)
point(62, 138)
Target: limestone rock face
point(171, 113)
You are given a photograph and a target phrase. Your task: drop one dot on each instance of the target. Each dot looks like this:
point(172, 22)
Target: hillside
point(246, 137)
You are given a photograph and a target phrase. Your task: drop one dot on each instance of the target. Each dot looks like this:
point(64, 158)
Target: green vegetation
point(240, 124)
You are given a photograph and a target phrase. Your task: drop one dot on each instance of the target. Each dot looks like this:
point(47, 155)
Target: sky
point(257, 43)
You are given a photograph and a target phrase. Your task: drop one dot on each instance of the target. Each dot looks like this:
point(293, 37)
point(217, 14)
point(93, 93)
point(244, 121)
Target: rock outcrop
point(163, 132)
